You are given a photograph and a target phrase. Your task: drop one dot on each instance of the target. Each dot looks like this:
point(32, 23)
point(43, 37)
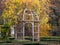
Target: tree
point(10, 13)
point(54, 15)
point(2, 6)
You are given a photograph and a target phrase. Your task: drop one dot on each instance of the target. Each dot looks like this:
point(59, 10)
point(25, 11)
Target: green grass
point(44, 40)
point(54, 39)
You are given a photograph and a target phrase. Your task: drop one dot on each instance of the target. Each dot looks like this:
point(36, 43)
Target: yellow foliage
point(44, 27)
point(40, 7)
point(45, 30)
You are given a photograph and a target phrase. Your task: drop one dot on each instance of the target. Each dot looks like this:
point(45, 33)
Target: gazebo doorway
point(28, 29)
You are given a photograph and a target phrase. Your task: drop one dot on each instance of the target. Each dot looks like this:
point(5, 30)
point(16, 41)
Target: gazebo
point(28, 26)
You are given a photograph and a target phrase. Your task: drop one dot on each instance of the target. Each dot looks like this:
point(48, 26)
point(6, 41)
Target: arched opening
point(28, 29)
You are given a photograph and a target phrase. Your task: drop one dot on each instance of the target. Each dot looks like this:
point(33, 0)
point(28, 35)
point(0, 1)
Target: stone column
point(38, 33)
point(33, 31)
point(23, 30)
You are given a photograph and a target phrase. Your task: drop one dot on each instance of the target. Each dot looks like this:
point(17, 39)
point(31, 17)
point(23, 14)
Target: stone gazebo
point(28, 26)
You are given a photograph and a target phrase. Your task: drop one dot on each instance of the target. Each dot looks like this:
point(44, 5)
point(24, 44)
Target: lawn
point(43, 41)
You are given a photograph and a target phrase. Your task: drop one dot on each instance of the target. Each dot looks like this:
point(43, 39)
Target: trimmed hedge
point(50, 38)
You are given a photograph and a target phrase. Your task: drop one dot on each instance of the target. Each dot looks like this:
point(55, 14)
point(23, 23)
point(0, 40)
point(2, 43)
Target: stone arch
point(26, 22)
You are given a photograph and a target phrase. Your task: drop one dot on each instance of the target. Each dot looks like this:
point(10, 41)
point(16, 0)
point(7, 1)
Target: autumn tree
point(14, 7)
point(54, 17)
point(45, 27)
point(2, 6)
